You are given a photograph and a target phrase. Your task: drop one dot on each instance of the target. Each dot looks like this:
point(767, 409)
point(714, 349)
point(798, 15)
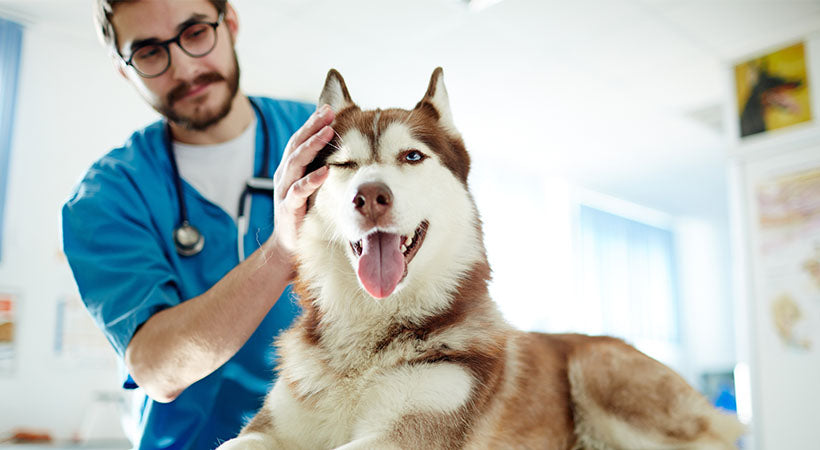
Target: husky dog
point(399, 345)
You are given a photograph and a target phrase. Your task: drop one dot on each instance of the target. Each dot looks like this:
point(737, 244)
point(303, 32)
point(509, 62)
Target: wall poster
point(772, 91)
point(8, 306)
point(789, 245)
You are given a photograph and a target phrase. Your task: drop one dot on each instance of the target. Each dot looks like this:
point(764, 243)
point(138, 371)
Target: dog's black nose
point(373, 200)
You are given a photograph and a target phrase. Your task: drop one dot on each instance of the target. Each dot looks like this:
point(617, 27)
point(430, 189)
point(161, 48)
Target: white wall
point(71, 108)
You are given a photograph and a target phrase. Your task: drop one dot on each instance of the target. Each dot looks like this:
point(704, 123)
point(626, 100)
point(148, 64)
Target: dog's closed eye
point(345, 164)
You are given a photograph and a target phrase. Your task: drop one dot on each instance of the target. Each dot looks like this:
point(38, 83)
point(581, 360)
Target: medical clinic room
point(428, 224)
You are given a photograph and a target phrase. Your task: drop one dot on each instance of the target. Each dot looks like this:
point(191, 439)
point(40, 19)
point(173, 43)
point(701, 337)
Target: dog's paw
point(250, 441)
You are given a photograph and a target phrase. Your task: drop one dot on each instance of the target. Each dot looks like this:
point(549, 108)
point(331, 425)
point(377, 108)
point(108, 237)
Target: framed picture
point(772, 91)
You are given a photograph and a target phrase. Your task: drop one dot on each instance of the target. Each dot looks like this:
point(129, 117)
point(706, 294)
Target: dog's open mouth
point(383, 259)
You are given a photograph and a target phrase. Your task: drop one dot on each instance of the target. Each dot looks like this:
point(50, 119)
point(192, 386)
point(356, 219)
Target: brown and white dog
point(399, 345)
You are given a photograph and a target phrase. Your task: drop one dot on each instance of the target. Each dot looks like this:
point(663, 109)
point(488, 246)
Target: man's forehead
point(156, 19)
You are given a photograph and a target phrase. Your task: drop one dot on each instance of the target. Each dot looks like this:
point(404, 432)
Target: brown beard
point(166, 108)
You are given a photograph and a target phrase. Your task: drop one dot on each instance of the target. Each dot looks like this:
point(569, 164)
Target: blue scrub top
point(117, 235)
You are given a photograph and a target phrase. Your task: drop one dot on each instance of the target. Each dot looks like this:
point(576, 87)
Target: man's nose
point(182, 64)
point(373, 200)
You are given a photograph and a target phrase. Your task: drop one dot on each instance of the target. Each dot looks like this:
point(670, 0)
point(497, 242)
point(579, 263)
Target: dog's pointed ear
point(436, 96)
point(335, 92)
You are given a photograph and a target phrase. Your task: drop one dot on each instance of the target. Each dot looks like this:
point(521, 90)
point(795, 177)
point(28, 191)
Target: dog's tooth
point(408, 241)
point(403, 248)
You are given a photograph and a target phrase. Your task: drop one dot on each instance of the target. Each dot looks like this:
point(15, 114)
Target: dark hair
point(104, 11)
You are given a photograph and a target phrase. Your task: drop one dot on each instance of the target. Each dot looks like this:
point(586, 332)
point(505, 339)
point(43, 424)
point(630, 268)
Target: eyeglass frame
point(166, 45)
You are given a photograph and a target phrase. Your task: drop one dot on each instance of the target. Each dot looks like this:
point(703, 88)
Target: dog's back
point(567, 391)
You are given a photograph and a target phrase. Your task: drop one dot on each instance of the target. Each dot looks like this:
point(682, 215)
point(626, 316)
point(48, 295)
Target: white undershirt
point(219, 171)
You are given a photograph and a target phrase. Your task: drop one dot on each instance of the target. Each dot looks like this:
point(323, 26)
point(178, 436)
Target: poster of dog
point(772, 91)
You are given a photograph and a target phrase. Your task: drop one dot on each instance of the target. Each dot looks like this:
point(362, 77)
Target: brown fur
point(474, 285)
point(311, 319)
point(261, 422)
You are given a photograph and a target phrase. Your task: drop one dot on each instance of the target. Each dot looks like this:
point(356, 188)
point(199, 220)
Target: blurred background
point(616, 192)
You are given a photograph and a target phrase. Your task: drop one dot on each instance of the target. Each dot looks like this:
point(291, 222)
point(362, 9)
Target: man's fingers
point(306, 152)
point(304, 187)
point(322, 117)
point(294, 166)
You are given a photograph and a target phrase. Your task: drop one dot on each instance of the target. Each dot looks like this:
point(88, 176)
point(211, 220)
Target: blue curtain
point(628, 274)
point(11, 38)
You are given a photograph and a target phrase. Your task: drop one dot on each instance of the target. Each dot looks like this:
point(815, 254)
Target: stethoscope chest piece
point(188, 240)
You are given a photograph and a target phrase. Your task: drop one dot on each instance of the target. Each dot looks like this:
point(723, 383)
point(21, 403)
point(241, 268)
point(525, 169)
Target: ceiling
point(621, 96)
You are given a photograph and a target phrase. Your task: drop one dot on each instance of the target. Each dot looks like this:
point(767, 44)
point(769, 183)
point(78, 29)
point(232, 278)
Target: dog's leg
point(414, 407)
point(251, 441)
point(624, 399)
point(283, 422)
point(258, 434)
point(370, 443)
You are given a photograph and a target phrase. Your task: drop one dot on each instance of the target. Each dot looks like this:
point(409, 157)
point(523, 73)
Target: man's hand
point(291, 186)
point(183, 344)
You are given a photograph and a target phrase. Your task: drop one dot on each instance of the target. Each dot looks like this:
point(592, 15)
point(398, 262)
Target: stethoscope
point(188, 240)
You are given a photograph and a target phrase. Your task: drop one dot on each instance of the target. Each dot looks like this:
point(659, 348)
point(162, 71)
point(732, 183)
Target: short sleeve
point(120, 265)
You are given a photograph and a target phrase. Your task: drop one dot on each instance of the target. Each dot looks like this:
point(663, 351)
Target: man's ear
point(335, 92)
point(231, 19)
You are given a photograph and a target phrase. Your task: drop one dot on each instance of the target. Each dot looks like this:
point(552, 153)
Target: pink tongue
point(381, 265)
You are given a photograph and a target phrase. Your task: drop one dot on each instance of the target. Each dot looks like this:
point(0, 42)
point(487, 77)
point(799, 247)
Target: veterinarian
point(163, 233)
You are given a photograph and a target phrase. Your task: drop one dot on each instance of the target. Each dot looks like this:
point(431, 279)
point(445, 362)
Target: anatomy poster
point(789, 246)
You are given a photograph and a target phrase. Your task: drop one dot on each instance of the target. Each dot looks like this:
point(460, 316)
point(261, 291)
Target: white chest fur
point(333, 404)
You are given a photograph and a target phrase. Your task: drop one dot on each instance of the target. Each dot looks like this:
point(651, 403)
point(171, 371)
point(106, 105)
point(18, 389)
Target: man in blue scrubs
point(194, 332)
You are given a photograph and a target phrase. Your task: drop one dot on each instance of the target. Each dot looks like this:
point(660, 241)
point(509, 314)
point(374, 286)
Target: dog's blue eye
point(413, 156)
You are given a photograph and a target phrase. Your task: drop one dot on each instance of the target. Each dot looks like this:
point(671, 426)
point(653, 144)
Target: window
point(11, 36)
point(627, 282)
point(565, 259)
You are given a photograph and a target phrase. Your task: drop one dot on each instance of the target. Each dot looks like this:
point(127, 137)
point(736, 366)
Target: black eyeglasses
point(153, 59)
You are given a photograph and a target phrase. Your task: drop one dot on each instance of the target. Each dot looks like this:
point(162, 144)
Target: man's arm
point(181, 345)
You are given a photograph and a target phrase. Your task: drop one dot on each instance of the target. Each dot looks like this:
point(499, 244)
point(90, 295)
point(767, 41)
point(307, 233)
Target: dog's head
point(395, 208)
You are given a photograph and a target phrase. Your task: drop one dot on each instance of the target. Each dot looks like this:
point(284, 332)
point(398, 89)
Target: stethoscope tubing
point(188, 240)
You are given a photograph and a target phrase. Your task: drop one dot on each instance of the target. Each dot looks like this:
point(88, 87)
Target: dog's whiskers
point(330, 143)
point(266, 255)
point(341, 141)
